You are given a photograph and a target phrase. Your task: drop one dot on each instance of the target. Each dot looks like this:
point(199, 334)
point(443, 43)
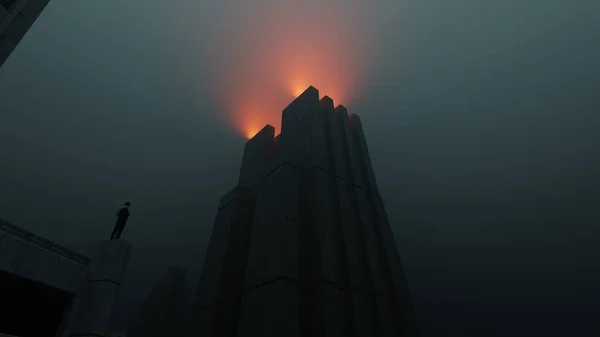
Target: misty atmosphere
point(482, 119)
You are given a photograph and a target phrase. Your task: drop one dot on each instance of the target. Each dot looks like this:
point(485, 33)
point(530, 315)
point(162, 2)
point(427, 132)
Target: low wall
point(27, 255)
point(92, 273)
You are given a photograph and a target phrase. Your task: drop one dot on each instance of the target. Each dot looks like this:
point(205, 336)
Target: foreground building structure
point(16, 18)
point(169, 301)
point(302, 245)
point(54, 291)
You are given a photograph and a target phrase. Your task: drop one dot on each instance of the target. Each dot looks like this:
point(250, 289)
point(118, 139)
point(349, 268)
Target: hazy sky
point(482, 118)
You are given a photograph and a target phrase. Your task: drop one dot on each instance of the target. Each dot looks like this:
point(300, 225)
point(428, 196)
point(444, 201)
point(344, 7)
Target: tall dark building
point(16, 17)
point(168, 301)
point(302, 246)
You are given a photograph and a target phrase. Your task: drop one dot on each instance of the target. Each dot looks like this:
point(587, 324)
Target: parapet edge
point(42, 243)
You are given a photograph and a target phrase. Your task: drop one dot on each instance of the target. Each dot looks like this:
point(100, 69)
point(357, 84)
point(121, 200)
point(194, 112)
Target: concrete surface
point(27, 255)
point(164, 312)
point(15, 23)
point(320, 259)
point(92, 308)
point(91, 273)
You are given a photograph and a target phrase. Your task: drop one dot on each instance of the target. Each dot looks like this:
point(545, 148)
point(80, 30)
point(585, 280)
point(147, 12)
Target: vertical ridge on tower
point(302, 246)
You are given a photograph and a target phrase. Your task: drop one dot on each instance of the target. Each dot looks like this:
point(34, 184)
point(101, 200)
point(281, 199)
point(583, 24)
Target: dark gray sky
point(482, 119)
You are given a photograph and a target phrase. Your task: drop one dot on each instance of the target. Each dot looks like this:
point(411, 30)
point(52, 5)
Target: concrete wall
point(15, 23)
point(3, 14)
point(321, 257)
point(165, 308)
point(222, 280)
point(92, 309)
point(27, 255)
point(93, 273)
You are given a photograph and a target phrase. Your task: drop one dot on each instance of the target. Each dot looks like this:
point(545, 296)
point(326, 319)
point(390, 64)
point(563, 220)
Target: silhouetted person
point(122, 216)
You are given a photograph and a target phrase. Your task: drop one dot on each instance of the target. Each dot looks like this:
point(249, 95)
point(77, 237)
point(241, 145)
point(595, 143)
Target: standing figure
point(122, 216)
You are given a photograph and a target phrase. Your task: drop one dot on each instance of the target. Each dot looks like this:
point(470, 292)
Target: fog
point(481, 118)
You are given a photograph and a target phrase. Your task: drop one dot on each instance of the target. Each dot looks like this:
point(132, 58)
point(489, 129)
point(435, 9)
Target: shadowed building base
point(164, 311)
point(50, 290)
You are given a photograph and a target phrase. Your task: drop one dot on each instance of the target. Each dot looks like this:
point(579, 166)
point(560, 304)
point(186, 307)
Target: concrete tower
point(16, 17)
point(166, 304)
point(302, 246)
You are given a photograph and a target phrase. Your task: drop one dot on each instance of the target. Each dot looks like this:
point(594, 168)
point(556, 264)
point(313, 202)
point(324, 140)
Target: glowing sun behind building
point(272, 55)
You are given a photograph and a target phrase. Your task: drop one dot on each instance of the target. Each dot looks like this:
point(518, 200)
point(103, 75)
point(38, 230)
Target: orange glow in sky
point(273, 53)
point(250, 122)
point(298, 89)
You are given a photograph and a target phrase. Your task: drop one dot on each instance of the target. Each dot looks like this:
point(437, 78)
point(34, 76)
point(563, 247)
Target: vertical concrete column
point(321, 222)
point(361, 143)
point(367, 212)
point(351, 225)
point(306, 142)
point(314, 260)
point(271, 275)
point(332, 311)
point(271, 278)
point(297, 128)
point(359, 288)
point(379, 215)
point(393, 299)
point(304, 145)
point(177, 300)
point(256, 153)
point(231, 286)
point(371, 264)
point(92, 309)
point(235, 206)
point(222, 280)
point(164, 312)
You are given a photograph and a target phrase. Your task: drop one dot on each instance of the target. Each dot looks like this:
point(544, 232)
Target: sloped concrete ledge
point(38, 241)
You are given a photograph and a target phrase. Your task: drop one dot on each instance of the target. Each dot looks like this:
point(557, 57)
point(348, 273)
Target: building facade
point(168, 303)
point(53, 291)
point(16, 17)
point(302, 245)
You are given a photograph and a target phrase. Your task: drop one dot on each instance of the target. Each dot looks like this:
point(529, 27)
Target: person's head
point(127, 204)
